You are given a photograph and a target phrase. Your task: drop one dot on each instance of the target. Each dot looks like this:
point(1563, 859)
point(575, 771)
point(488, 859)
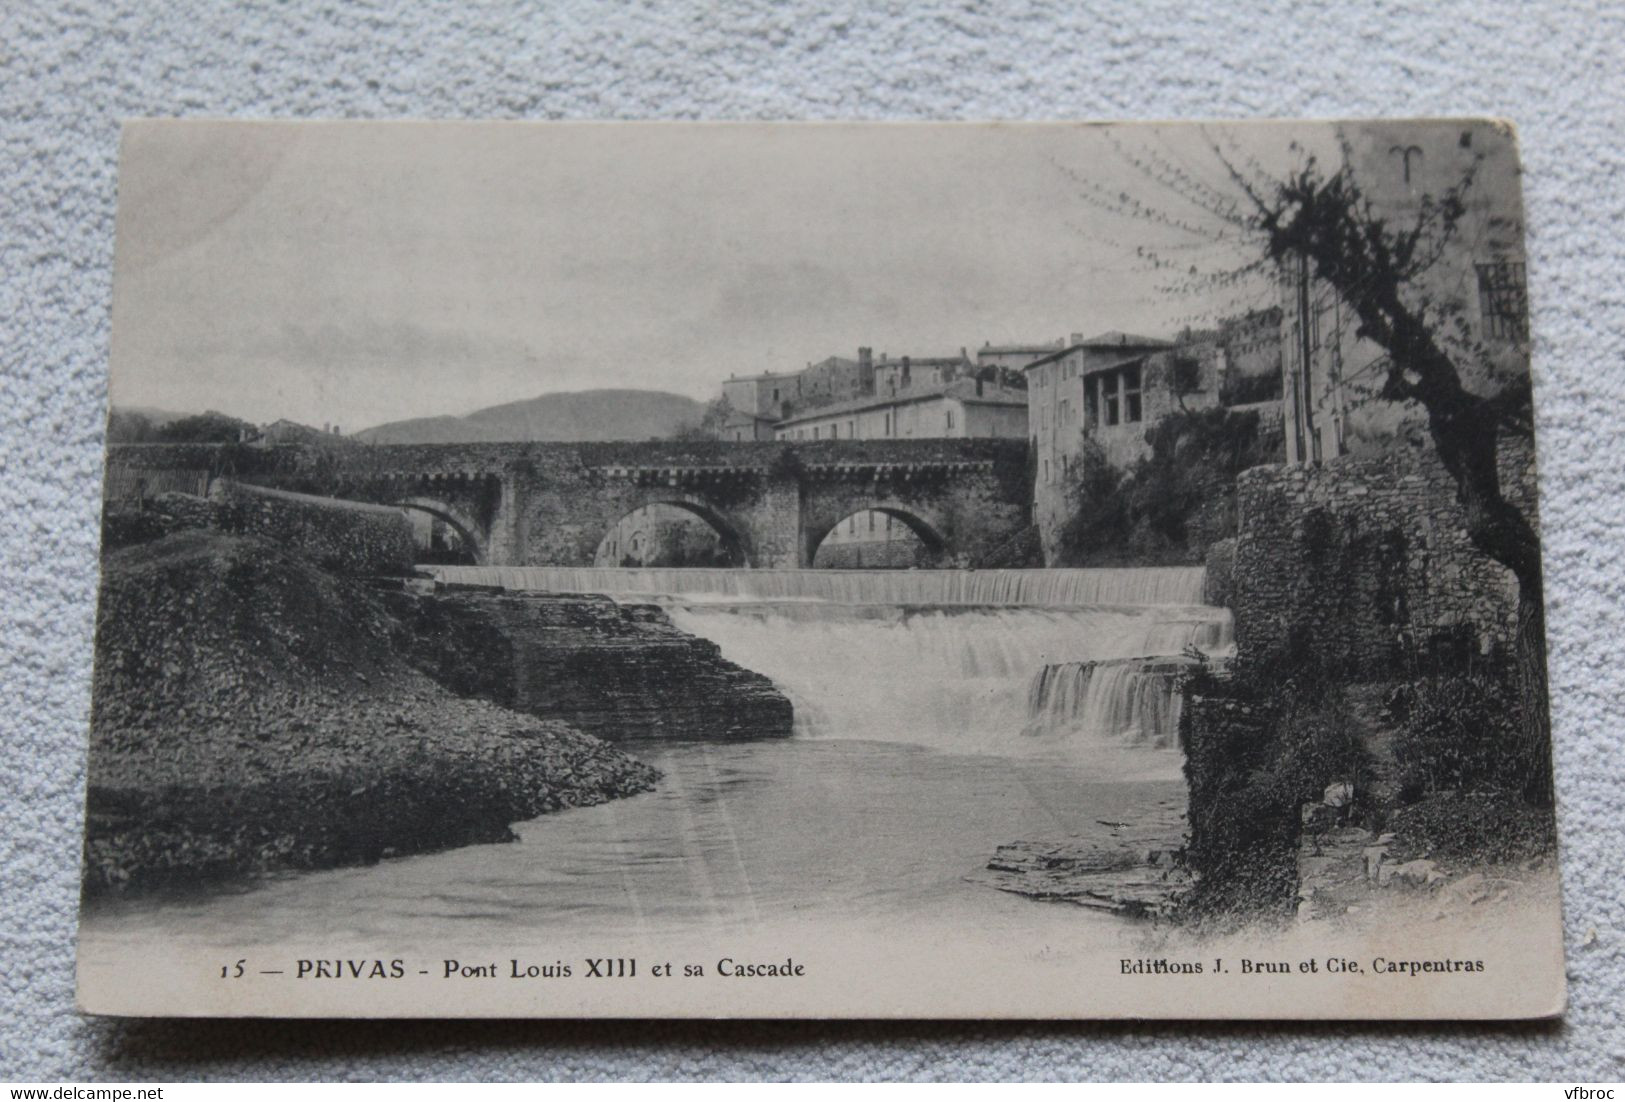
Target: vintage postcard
point(820, 570)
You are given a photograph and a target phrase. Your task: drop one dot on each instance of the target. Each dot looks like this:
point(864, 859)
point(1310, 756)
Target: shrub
point(1456, 734)
point(1475, 827)
point(1152, 511)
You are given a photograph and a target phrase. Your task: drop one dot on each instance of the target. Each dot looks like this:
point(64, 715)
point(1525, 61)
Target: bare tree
point(1324, 219)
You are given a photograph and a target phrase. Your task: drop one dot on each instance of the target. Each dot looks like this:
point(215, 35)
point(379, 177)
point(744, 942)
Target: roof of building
point(1019, 349)
point(963, 390)
point(1112, 338)
point(739, 417)
point(830, 361)
point(897, 361)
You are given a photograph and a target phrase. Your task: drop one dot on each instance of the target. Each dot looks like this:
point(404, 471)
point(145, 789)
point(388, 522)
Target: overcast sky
point(360, 273)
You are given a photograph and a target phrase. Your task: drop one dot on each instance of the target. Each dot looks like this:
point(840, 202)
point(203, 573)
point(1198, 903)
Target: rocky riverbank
point(254, 712)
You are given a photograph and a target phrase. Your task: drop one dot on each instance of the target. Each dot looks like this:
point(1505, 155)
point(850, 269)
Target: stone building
point(962, 408)
point(1331, 374)
point(1108, 391)
point(835, 379)
point(762, 395)
point(908, 373)
point(773, 395)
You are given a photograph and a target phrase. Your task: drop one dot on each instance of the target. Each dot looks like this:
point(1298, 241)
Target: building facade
point(1475, 288)
point(962, 408)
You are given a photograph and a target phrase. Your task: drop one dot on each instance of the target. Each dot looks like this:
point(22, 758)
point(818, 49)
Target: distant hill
point(577, 415)
point(155, 416)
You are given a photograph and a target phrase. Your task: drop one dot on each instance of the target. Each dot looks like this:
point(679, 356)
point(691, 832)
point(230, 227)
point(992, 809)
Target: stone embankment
point(612, 670)
point(253, 712)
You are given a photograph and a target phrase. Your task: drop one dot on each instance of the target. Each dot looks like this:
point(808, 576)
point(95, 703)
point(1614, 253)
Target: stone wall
point(1365, 563)
point(345, 536)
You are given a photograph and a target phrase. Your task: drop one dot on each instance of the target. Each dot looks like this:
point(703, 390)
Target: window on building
point(1113, 397)
point(815, 432)
point(871, 520)
point(852, 524)
point(1131, 393)
point(888, 424)
point(948, 415)
point(1503, 300)
point(1066, 412)
point(851, 430)
point(1046, 470)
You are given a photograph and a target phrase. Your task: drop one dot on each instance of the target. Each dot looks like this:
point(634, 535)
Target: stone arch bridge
point(550, 504)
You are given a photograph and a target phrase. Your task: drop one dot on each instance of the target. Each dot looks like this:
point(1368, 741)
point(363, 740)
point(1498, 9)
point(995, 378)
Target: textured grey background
point(70, 71)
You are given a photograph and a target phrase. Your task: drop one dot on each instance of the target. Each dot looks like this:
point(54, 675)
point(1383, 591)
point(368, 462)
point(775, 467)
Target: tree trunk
point(1500, 530)
point(1534, 697)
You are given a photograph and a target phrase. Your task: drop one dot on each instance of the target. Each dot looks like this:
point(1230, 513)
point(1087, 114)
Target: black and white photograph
point(820, 570)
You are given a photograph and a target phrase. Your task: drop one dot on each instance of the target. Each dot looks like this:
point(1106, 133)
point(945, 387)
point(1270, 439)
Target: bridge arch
point(469, 532)
point(918, 538)
point(731, 543)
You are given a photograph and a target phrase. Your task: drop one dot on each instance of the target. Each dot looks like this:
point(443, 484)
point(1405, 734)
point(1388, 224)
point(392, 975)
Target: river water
point(939, 715)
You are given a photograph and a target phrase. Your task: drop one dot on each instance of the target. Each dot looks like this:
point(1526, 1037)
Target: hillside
point(579, 415)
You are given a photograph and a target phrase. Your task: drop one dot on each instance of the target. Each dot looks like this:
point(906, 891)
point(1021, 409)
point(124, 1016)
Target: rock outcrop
point(1134, 882)
point(616, 671)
